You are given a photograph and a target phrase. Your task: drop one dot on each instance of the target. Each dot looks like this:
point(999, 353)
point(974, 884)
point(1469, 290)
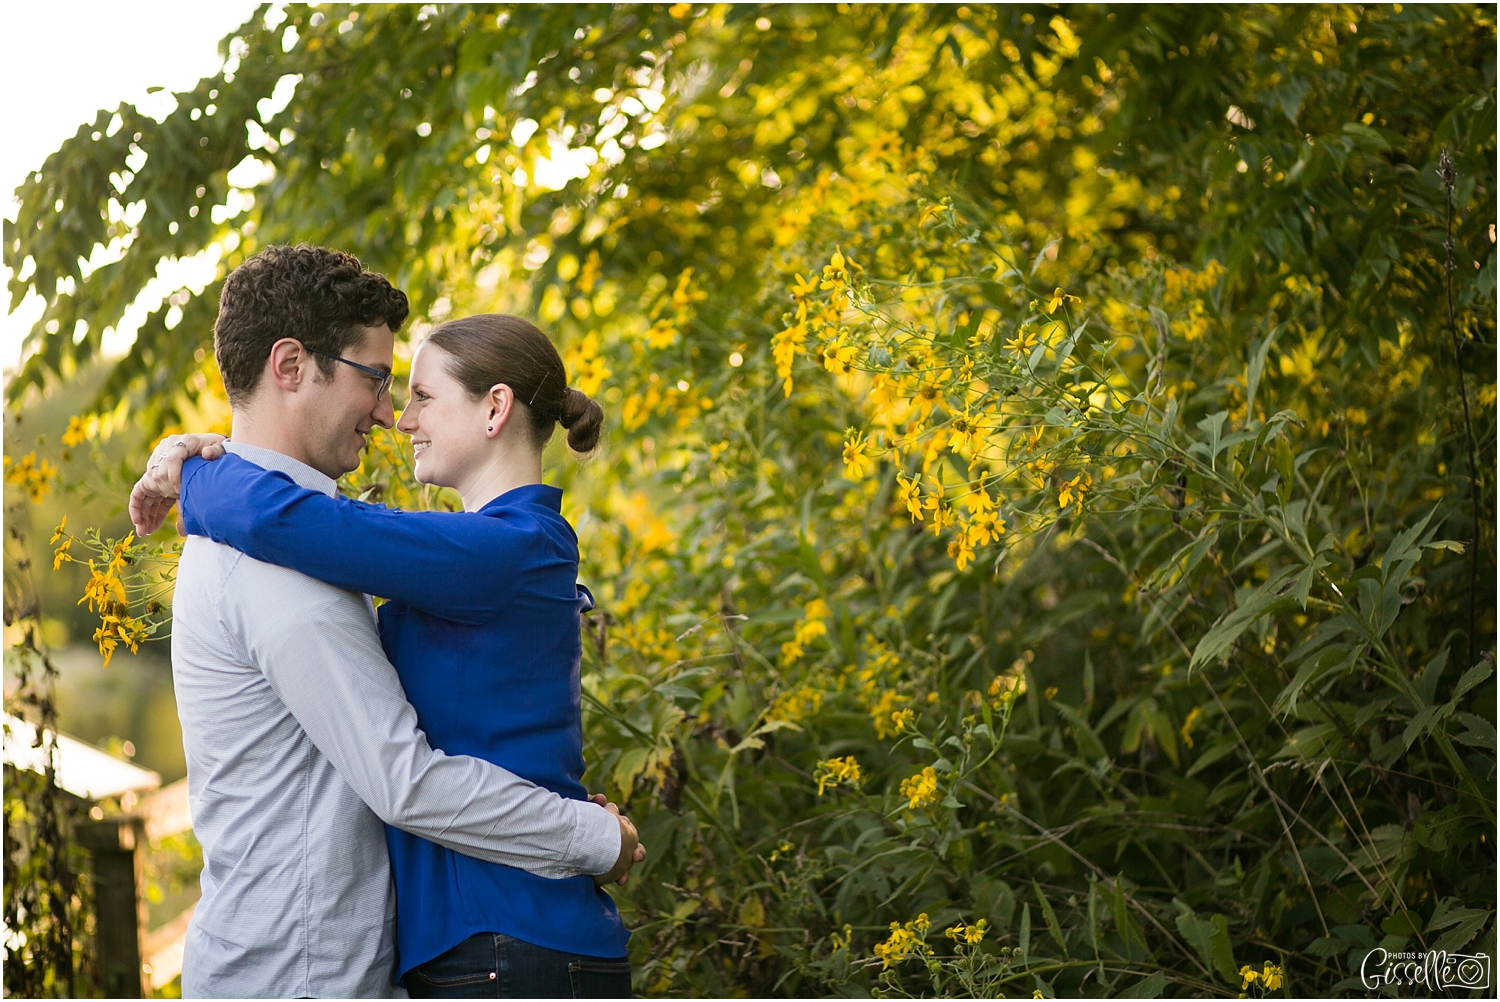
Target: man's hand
point(158, 489)
point(631, 850)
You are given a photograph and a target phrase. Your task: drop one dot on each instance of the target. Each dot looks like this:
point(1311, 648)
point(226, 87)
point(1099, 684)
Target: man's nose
point(385, 413)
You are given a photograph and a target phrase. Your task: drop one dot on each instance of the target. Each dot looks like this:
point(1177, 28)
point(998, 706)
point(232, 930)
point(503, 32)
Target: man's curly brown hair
point(323, 298)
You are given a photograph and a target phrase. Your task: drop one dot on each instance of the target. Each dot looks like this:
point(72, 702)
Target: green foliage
point(1161, 292)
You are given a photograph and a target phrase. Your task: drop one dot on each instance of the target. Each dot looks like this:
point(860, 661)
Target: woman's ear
point(502, 404)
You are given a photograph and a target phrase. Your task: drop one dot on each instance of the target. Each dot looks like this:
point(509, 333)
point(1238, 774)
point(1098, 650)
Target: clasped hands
point(158, 490)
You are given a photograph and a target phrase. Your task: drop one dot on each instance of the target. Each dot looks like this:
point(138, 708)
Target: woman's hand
point(158, 489)
point(631, 850)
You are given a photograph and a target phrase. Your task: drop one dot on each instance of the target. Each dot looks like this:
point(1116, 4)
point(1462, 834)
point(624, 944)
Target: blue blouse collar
point(540, 494)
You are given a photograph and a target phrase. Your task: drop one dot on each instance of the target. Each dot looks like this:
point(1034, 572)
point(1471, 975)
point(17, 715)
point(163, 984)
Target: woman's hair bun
point(583, 418)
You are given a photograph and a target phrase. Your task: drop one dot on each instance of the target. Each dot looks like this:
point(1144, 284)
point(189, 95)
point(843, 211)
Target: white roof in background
point(82, 769)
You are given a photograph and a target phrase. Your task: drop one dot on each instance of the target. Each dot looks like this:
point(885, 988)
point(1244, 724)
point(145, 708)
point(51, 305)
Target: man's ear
point(502, 401)
point(288, 365)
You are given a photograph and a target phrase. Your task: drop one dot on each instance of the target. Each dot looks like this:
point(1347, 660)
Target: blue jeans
point(492, 966)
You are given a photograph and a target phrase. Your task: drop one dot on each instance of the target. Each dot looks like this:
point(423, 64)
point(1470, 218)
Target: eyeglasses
point(380, 374)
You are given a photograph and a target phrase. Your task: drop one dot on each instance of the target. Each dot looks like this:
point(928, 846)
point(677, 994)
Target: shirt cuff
point(596, 839)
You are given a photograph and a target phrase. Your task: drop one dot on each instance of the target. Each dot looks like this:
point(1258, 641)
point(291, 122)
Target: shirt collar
point(301, 474)
point(540, 494)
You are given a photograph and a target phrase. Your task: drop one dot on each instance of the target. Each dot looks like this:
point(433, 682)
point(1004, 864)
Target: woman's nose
point(408, 420)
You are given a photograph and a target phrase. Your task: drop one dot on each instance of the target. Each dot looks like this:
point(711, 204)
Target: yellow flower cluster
point(586, 367)
point(1270, 976)
point(905, 942)
point(1187, 725)
point(79, 431)
point(1187, 287)
point(968, 934)
point(888, 716)
point(812, 625)
point(1006, 689)
point(837, 772)
point(61, 542)
point(1073, 491)
point(797, 705)
point(921, 790)
point(818, 318)
point(105, 594)
point(673, 313)
point(33, 477)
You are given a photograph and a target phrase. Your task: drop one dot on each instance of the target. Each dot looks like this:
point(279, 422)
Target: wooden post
point(115, 844)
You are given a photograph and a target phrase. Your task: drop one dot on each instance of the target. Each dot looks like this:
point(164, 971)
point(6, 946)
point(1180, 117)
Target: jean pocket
point(433, 985)
point(600, 979)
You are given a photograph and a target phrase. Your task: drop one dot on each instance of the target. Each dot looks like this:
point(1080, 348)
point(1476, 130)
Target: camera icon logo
point(1470, 971)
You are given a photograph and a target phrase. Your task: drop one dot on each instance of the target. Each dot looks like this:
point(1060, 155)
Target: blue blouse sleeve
point(460, 566)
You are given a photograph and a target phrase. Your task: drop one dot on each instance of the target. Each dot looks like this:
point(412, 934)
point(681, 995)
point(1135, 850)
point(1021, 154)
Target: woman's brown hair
point(491, 348)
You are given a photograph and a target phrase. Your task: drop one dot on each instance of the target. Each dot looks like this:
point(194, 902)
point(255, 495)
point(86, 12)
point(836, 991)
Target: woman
point(482, 624)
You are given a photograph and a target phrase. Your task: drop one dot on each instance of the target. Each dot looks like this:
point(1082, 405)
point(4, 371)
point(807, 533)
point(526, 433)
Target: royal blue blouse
point(482, 625)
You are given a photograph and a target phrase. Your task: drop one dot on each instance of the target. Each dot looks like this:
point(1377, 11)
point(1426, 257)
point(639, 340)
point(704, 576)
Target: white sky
point(62, 61)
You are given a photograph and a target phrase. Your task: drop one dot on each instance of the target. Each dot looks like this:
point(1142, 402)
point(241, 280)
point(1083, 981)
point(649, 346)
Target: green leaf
point(1089, 745)
point(1220, 750)
point(1050, 917)
point(1471, 678)
point(1149, 987)
point(1253, 373)
point(1213, 427)
point(1465, 922)
point(1305, 580)
point(1283, 459)
point(1210, 938)
point(1228, 630)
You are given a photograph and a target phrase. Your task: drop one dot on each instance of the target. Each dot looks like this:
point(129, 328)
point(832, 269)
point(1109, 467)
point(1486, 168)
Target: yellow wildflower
point(905, 942)
point(103, 591)
point(35, 478)
point(785, 347)
point(969, 934)
point(1269, 976)
point(884, 711)
point(838, 353)
point(857, 461)
point(921, 789)
point(1058, 296)
point(1187, 725)
point(76, 433)
point(104, 636)
point(1023, 342)
point(837, 772)
point(961, 548)
point(797, 705)
point(911, 496)
point(1073, 490)
point(966, 435)
point(804, 287)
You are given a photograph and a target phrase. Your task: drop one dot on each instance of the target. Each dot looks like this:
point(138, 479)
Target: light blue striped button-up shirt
point(299, 743)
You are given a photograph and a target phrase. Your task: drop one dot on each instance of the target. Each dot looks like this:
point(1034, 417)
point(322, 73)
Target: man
point(299, 739)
